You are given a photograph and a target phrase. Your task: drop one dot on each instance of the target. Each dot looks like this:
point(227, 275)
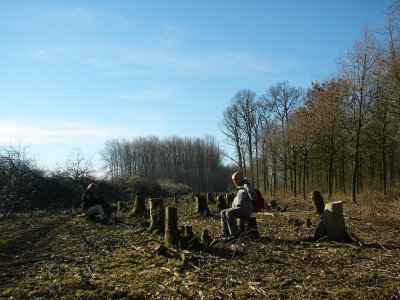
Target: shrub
point(131, 185)
point(170, 188)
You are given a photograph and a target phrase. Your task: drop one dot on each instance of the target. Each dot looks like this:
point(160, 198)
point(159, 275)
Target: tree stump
point(331, 223)
point(122, 206)
point(189, 240)
point(194, 195)
point(248, 226)
point(139, 207)
point(221, 204)
point(201, 205)
point(210, 198)
point(318, 202)
point(273, 205)
point(229, 199)
point(157, 216)
point(206, 239)
point(171, 227)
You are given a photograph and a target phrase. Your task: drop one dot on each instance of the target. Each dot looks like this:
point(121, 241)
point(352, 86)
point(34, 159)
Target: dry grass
point(48, 256)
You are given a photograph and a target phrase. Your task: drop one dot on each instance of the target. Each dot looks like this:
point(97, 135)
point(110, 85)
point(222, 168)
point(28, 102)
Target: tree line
point(196, 162)
point(338, 135)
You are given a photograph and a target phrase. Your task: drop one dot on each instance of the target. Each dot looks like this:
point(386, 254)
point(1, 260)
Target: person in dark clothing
point(93, 205)
point(242, 205)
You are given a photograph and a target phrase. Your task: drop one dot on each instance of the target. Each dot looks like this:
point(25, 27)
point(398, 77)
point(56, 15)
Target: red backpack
point(259, 203)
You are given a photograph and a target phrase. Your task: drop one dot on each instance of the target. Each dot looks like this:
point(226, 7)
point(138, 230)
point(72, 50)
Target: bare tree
point(230, 127)
point(246, 107)
point(324, 102)
point(77, 166)
point(282, 99)
point(358, 71)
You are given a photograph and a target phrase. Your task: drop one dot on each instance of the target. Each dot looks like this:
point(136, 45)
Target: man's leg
point(96, 210)
point(231, 216)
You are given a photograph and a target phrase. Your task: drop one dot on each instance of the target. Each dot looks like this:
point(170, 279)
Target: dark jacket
point(89, 199)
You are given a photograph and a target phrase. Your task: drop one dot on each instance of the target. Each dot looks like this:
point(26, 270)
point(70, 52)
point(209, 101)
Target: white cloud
point(148, 47)
point(169, 57)
point(57, 132)
point(156, 93)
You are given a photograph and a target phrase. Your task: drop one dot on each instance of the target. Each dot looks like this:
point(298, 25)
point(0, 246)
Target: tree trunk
point(354, 179)
point(343, 174)
point(122, 206)
point(275, 177)
point(171, 227)
point(157, 216)
point(248, 226)
point(210, 198)
point(318, 202)
point(189, 239)
point(330, 175)
point(331, 223)
point(229, 199)
point(304, 176)
point(139, 207)
point(221, 203)
point(202, 207)
point(206, 239)
point(294, 174)
point(384, 167)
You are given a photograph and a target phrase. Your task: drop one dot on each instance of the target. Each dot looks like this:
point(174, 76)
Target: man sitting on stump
point(93, 205)
point(242, 206)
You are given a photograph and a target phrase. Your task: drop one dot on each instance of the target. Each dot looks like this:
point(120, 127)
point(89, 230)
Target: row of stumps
point(165, 220)
point(184, 237)
point(202, 202)
point(330, 225)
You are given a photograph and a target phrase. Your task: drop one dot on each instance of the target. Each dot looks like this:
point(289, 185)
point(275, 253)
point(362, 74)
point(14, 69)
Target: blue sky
point(74, 74)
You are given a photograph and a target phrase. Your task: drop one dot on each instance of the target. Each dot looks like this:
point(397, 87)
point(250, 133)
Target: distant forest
point(196, 162)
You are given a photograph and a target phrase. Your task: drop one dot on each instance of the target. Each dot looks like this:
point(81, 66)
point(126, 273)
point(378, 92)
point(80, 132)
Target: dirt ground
point(57, 255)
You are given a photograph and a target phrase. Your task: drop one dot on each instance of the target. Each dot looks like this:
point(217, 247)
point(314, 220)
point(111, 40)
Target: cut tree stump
point(157, 215)
point(189, 240)
point(201, 205)
point(171, 227)
point(318, 202)
point(122, 206)
point(331, 223)
point(229, 199)
point(221, 203)
point(206, 239)
point(248, 226)
point(140, 206)
point(273, 205)
point(210, 198)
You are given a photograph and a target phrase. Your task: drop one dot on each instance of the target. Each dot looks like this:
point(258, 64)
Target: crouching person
point(242, 206)
point(93, 205)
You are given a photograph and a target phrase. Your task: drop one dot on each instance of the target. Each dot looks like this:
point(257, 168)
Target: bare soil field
point(49, 255)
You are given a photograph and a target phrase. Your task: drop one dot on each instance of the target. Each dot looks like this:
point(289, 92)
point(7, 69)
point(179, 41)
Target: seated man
point(92, 204)
point(242, 205)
